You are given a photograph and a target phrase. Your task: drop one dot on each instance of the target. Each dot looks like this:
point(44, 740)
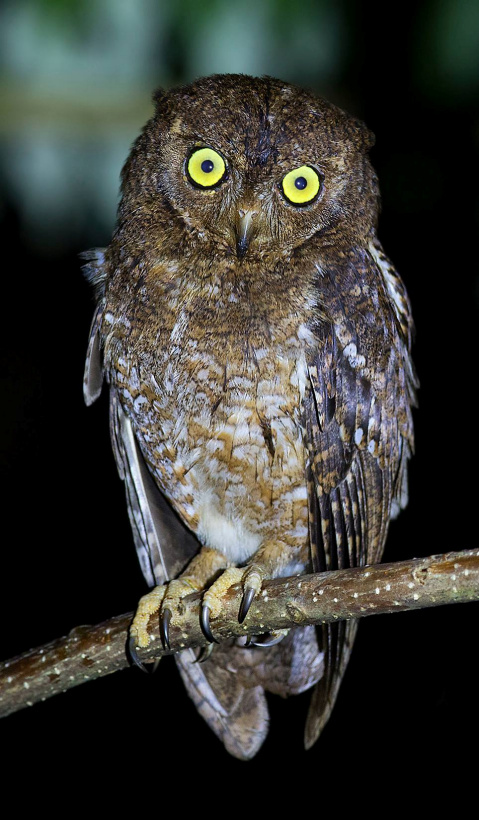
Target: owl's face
point(255, 165)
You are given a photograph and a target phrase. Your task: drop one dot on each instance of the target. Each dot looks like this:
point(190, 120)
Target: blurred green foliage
point(77, 76)
point(447, 49)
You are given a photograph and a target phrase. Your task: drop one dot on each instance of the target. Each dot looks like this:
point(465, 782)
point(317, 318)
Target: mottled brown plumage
point(257, 351)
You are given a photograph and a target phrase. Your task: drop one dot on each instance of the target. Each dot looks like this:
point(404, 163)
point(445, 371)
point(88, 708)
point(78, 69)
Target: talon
point(165, 628)
point(246, 602)
point(132, 651)
point(205, 624)
point(204, 653)
point(271, 639)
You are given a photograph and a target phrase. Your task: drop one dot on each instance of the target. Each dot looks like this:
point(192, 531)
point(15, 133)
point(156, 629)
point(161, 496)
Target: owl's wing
point(93, 374)
point(164, 545)
point(359, 437)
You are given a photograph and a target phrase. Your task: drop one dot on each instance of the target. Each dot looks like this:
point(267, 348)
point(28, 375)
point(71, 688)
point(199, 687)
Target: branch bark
point(89, 652)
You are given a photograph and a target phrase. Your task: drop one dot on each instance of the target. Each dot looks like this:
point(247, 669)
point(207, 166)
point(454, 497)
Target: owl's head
point(254, 164)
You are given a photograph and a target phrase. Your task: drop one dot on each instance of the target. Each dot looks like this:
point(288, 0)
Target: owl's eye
point(302, 185)
point(206, 168)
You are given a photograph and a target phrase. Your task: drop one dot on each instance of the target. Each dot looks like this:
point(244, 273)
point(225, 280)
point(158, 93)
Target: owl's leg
point(165, 600)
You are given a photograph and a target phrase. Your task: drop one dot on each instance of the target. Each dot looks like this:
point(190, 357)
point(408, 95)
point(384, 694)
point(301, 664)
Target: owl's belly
point(242, 491)
point(233, 469)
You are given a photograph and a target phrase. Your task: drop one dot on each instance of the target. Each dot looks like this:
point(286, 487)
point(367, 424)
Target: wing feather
point(163, 543)
point(358, 433)
point(93, 375)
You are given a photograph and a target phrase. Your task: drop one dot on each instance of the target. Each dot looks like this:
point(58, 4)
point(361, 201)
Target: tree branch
point(89, 652)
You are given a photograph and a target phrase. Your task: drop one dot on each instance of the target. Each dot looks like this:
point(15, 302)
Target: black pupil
point(300, 183)
point(207, 166)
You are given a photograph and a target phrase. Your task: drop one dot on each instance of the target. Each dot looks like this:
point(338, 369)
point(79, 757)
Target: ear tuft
point(361, 135)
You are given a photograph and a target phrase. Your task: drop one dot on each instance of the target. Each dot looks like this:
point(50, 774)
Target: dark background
point(77, 80)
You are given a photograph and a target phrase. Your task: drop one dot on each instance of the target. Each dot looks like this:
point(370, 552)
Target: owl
point(256, 341)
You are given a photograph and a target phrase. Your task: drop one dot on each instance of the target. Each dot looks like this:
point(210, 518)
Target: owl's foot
point(163, 600)
point(251, 579)
point(148, 605)
point(139, 637)
point(175, 591)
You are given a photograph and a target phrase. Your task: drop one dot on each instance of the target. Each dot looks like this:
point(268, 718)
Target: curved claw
point(165, 619)
point(205, 624)
point(271, 639)
point(204, 654)
point(132, 651)
point(246, 602)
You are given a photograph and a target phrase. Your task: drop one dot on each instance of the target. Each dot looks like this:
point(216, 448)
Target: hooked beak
point(244, 230)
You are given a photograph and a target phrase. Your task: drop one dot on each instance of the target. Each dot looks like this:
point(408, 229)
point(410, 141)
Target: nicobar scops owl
point(256, 343)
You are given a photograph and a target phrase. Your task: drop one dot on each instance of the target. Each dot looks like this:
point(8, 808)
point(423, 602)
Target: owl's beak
point(244, 230)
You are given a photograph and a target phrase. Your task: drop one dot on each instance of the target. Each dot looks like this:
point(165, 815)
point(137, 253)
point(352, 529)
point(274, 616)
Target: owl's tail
point(229, 688)
point(236, 714)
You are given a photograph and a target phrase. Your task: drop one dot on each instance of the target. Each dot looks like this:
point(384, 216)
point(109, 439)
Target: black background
point(407, 708)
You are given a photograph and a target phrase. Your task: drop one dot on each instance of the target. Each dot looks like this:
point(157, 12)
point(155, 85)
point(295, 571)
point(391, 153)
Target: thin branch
point(89, 652)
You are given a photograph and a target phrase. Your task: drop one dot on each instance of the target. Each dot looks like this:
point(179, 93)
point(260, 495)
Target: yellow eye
point(302, 185)
point(206, 168)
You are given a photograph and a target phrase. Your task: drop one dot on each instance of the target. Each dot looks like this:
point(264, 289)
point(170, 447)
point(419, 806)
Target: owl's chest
point(193, 400)
point(222, 431)
point(197, 372)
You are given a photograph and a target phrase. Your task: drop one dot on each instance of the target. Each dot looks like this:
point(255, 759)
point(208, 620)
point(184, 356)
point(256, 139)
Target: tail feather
point(237, 715)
